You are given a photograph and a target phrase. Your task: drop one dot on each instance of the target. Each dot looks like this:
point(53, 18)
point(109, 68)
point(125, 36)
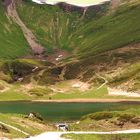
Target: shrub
point(125, 117)
point(135, 120)
point(99, 116)
point(40, 91)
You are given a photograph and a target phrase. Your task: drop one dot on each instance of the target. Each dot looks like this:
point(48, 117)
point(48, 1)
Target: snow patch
point(119, 92)
point(80, 3)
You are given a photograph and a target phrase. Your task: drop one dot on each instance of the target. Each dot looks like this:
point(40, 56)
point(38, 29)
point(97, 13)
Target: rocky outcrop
point(71, 8)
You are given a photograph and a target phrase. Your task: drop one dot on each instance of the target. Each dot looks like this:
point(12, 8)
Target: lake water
point(61, 111)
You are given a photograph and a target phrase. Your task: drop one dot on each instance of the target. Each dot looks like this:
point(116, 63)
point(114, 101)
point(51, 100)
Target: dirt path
point(89, 100)
point(31, 39)
point(47, 136)
point(117, 92)
point(57, 135)
point(105, 81)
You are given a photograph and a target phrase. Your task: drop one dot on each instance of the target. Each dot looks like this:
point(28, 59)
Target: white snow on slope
point(80, 3)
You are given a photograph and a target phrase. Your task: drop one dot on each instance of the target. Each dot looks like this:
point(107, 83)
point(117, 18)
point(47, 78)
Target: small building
point(62, 126)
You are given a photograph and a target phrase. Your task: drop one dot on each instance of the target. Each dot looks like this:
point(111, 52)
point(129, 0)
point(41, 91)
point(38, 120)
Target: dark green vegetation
point(62, 111)
point(103, 137)
point(12, 41)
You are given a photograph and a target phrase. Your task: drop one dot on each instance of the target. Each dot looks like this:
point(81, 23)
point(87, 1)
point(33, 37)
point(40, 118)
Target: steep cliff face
point(70, 8)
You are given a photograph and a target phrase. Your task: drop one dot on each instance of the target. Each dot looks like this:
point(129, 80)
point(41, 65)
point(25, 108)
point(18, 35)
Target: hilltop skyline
point(80, 3)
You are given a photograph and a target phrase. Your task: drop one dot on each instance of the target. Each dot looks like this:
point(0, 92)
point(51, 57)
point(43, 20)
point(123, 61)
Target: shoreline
point(78, 101)
point(88, 100)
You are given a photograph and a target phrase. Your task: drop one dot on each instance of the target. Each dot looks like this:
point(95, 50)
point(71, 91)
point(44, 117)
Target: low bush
point(125, 117)
point(99, 116)
point(40, 91)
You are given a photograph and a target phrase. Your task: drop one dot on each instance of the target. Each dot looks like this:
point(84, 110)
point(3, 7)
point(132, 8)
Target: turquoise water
point(61, 111)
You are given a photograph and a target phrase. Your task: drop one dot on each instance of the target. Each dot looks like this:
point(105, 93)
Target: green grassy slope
point(12, 41)
point(53, 27)
point(57, 29)
point(113, 31)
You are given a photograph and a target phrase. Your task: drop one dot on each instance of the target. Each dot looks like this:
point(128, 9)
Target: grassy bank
point(103, 137)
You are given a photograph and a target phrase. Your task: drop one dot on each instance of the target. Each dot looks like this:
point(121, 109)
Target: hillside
point(105, 40)
point(69, 31)
point(99, 48)
point(12, 41)
point(58, 27)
